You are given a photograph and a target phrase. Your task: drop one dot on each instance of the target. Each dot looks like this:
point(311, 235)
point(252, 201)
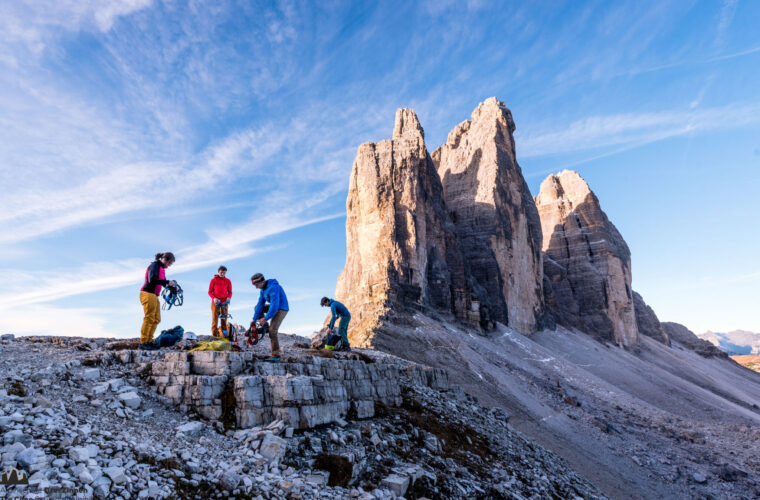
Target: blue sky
point(225, 132)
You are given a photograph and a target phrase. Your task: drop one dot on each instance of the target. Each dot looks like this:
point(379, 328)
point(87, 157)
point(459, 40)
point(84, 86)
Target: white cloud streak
point(233, 243)
point(633, 128)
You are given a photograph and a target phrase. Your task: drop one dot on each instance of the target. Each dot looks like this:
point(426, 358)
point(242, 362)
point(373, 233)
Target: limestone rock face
point(647, 321)
point(401, 246)
point(589, 263)
point(305, 391)
point(496, 220)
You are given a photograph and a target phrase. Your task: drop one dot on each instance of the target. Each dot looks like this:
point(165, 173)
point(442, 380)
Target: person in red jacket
point(220, 291)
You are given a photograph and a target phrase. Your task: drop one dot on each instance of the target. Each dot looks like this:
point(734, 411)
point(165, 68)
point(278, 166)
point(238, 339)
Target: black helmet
point(325, 301)
point(257, 278)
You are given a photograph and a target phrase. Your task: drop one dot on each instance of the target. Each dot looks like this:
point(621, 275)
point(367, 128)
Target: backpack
point(334, 342)
point(170, 337)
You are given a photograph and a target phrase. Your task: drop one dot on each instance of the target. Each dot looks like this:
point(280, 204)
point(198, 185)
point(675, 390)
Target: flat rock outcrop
point(647, 321)
point(402, 251)
point(496, 221)
point(588, 262)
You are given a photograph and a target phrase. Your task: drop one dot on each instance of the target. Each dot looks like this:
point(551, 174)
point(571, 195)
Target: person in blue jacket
point(338, 310)
point(272, 307)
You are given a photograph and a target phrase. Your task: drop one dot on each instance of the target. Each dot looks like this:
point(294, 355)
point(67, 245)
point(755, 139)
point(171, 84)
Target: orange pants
point(152, 318)
point(217, 311)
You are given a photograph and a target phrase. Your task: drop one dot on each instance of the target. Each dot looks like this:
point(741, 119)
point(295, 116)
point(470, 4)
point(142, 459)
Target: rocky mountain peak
point(566, 188)
point(494, 215)
point(401, 250)
point(407, 125)
point(588, 262)
point(493, 111)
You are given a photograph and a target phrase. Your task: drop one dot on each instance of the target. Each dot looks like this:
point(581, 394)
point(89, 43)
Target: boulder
point(130, 399)
point(397, 483)
point(319, 339)
point(91, 373)
point(116, 474)
point(190, 428)
point(30, 457)
point(273, 447)
point(79, 454)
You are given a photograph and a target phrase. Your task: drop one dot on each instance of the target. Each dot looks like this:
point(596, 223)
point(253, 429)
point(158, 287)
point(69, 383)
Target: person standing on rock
point(272, 306)
point(338, 310)
point(155, 278)
point(220, 291)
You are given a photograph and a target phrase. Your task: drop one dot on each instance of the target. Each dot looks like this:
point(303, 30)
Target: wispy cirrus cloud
point(29, 212)
point(32, 25)
point(229, 244)
point(617, 130)
point(76, 152)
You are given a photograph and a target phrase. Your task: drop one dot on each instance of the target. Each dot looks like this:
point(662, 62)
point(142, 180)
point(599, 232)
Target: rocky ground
point(654, 422)
point(78, 423)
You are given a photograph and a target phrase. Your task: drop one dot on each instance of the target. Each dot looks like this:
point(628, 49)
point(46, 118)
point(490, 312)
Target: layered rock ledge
point(305, 391)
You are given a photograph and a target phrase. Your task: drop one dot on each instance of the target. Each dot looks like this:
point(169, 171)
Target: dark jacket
point(155, 277)
point(338, 310)
point(275, 295)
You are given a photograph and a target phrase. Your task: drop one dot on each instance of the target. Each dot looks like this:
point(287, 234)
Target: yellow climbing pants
point(152, 318)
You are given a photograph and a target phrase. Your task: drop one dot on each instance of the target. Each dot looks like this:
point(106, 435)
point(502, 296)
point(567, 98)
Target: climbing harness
point(172, 296)
point(255, 334)
point(225, 319)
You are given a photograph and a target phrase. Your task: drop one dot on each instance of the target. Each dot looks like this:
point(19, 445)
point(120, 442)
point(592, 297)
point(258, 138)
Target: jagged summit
point(407, 124)
point(566, 186)
point(401, 248)
point(495, 218)
point(588, 262)
point(456, 232)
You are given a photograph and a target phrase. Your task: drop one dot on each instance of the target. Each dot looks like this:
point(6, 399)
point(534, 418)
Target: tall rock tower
point(402, 251)
point(496, 220)
point(588, 264)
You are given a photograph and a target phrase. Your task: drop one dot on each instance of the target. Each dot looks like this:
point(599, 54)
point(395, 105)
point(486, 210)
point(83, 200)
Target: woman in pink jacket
point(155, 278)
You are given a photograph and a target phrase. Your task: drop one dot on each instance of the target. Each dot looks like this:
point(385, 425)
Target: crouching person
point(338, 310)
point(273, 296)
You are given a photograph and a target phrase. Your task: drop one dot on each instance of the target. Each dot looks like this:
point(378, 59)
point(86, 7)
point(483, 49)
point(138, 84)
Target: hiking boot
point(273, 359)
point(148, 346)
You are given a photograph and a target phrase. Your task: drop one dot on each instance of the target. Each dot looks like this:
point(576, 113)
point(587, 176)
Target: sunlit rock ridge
point(457, 236)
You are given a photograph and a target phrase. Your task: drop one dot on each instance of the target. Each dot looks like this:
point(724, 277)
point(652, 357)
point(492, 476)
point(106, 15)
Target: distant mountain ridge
point(735, 342)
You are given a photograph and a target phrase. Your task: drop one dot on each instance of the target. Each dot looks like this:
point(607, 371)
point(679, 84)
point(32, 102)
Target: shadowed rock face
point(679, 333)
point(647, 321)
point(401, 247)
point(496, 220)
point(588, 262)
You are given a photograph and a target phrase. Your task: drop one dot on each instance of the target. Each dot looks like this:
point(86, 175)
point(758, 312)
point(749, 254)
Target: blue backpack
point(170, 337)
